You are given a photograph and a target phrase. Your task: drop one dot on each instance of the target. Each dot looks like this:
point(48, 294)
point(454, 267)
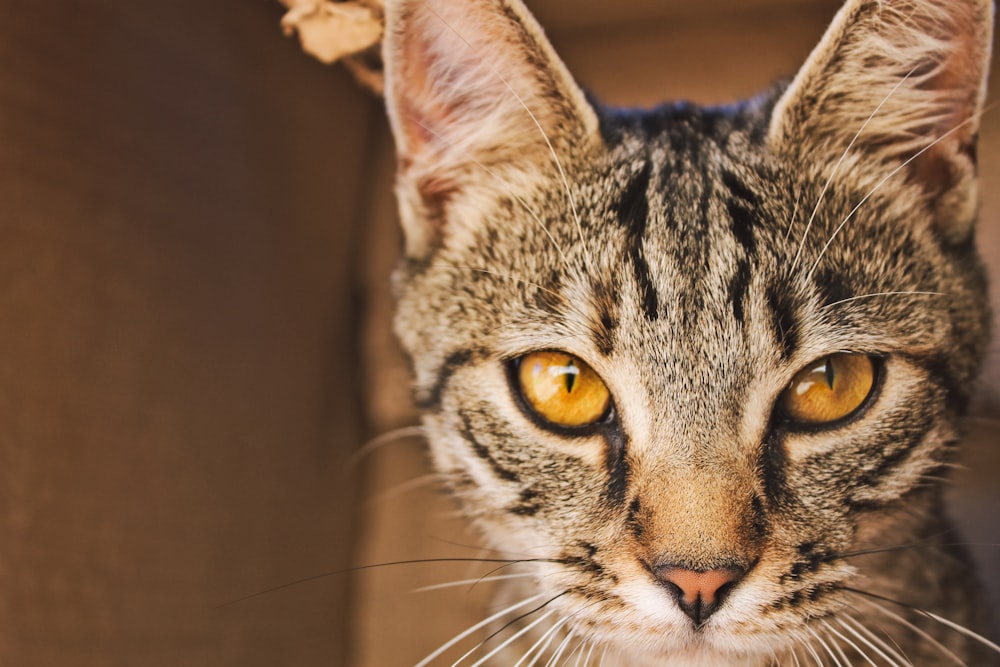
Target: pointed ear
point(896, 80)
point(479, 103)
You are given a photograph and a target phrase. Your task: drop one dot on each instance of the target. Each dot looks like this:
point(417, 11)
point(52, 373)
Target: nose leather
point(699, 593)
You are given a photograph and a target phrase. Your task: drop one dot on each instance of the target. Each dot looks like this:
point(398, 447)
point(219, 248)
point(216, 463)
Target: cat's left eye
point(562, 389)
point(829, 390)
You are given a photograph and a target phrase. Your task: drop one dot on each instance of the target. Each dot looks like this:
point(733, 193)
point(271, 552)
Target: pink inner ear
point(419, 111)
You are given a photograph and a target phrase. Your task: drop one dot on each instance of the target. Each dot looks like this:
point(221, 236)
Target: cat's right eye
point(561, 389)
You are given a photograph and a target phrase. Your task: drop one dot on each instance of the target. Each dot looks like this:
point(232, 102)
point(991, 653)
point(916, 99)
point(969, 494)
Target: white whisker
point(405, 487)
point(836, 167)
point(459, 637)
point(850, 643)
point(826, 647)
point(557, 654)
point(815, 655)
point(509, 640)
point(471, 582)
point(875, 294)
point(552, 633)
point(961, 629)
point(878, 186)
point(498, 274)
point(791, 220)
point(795, 657)
point(907, 624)
point(838, 648)
point(384, 439)
point(869, 639)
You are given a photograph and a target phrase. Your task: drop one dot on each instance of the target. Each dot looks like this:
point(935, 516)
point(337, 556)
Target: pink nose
point(699, 594)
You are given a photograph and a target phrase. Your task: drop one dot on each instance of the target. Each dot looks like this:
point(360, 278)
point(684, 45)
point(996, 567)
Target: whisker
point(826, 647)
point(384, 439)
point(961, 629)
point(506, 562)
point(815, 655)
point(875, 294)
point(499, 178)
point(791, 220)
point(840, 651)
point(557, 654)
point(524, 616)
point(907, 624)
point(892, 173)
point(468, 631)
point(498, 274)
point(795, 657)
point(405, 487)
point(471, 582)
point(512, 638)
point(540, 645)
point(927, 542)
point(836, 167)
point(850, 643)
point(866, 636)
point(580, 652)
point(604, 654)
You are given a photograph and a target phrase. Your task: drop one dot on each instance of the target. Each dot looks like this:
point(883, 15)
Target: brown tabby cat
point(699, 370)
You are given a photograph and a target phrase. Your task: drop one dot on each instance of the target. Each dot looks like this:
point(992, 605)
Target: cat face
point(690, 362)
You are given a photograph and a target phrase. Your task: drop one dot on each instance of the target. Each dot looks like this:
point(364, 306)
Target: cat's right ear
point(479, 103)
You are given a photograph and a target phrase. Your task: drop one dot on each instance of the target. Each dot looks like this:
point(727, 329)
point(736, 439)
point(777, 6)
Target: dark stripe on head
point(741, 221)
point(483, 452)
point(738, 286)
point(633, 215)
point(741, 205)
point(786, 328)
point(636, 519)
point(605, 316)
point(772, 466)
point(529, 501)
point(431, 398)
point(738, 188)
point(617, 467)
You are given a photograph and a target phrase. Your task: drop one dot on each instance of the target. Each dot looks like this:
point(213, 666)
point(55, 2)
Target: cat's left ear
point(479, 103)
point(894, 81)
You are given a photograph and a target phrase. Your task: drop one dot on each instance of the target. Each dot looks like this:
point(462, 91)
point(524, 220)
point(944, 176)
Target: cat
point(699, 371)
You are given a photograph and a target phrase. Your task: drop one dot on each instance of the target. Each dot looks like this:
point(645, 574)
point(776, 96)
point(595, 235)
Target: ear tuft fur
point(908, 77)
point(477, 99)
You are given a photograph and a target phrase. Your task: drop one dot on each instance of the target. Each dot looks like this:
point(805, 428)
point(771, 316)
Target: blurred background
point(196, 232)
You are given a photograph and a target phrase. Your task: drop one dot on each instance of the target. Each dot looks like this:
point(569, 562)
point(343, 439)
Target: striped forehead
point(694, 225)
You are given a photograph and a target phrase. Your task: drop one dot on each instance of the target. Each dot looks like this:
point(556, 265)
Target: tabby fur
point(697, 259)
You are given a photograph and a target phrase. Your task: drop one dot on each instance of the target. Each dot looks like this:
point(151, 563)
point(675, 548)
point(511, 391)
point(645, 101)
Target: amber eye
point(829, 389)
point(561, 389)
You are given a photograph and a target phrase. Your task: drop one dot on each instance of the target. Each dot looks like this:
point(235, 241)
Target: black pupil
point(570, 376)
point(829, 372)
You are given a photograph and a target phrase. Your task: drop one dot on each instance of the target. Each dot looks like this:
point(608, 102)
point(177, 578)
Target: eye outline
point(608, 420)
point(788, 424)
